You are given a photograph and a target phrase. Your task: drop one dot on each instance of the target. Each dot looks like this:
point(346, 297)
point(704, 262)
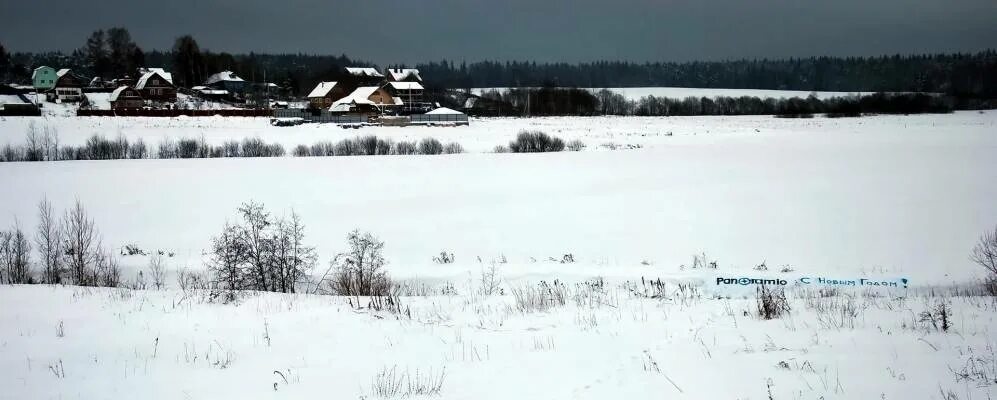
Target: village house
point(370, 100)
point(43, 78)
point(226, 80)
point(153, 86)
point(324, 94)
point(68, 87)
point(126, 97)
point(363, 76)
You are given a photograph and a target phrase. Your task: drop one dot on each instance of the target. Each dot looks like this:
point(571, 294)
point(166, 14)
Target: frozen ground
point(878, 197)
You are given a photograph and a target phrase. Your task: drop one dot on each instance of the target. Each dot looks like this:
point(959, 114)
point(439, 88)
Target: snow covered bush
point(535, 142)
point(453, 148)
point(576, 145)
point(985, 255)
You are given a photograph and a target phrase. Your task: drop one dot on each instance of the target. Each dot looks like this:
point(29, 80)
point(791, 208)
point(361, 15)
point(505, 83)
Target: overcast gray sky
point(409, 31)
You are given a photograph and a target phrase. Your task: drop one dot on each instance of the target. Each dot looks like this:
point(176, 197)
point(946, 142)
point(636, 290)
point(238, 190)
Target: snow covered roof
point(358, 96)
point(162, 72)
point(11, 99)
point(406, 85)
point(145, 79)
point(223, 76)
point(62, 72)
point(207, 90)
point(322, 89)
point(444, 110)
point(400, 74)
point(364, 71)
point(117, 92)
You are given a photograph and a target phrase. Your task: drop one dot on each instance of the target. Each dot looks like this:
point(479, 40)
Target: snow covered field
point(883, 198)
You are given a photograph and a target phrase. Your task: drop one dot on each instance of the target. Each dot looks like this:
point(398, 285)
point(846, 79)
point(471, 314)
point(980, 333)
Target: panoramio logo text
point(806, 280)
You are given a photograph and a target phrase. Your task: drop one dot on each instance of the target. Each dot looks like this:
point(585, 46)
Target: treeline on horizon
point(111, 52)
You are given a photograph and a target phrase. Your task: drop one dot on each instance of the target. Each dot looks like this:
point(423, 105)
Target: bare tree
point(303, 258)
point(254, 241)
point(157, 269)
point(985, 251)
point(15, 256)
point(49, 245)
point(81, 244)
point(227, 258)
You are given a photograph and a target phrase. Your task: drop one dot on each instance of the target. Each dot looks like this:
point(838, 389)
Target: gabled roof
point(360, 96)
point(224, 76)
point(444, 110)
point(400, 74)
point(162, 72)
point(364, 71)
point(117, 92)
point(62, 72)
point(145, 79)
point(406, 85)
point(322, 89)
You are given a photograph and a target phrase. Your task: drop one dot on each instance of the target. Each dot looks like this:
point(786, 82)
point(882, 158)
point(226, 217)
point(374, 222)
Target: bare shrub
point(576, 145)
point(394, 383)
point(771, 303)
point(500, 149)
point(938, 316)
point(157, 271)
point(301, 151)
point(535, 142)
point(406, 148)
point(540, 298)
point(453, 148)
point(490, 282)
point(430, 146)
point(444, 258)
point(358, 272)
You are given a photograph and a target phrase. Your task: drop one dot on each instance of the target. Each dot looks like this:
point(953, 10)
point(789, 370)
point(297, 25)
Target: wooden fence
point(174, 113)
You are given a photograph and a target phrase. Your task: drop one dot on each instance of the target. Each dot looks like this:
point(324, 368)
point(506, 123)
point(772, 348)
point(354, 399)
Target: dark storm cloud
point(545, 30)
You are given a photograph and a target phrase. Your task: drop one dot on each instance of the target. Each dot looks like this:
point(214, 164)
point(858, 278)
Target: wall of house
point(44, 78)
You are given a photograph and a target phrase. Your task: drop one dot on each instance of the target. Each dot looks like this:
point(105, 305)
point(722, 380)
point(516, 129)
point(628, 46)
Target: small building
point(370, 100)
point(226, 80)
point(68, 87)
point(404, 75)
point(153, 86)
point(13, 102)
point(210, 94)
point(43, 78)
point(324, 94)
point(126, 97)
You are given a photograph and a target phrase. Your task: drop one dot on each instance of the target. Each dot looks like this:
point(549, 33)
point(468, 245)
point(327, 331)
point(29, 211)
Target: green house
point(43, 78)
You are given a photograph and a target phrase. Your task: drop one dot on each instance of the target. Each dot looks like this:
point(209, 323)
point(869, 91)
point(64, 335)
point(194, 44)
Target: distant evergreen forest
point(112, 52)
